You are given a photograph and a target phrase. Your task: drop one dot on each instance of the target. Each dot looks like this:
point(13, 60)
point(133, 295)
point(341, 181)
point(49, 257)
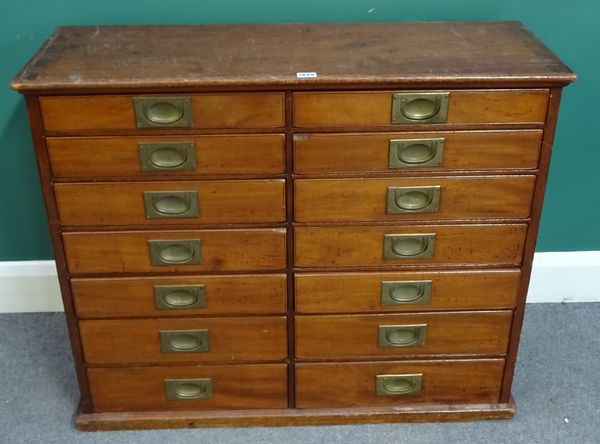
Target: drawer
point(214, 387)
point(175, 156)
point(397, 245)
point(405, 291)
point(200, 111)
point(179, 296)
point(145, 341)
point(177, 250)
point(330, 200)
point(394, 152)
point(385, 335)
point(379, 108)
point(168, 203)
point(372, 384)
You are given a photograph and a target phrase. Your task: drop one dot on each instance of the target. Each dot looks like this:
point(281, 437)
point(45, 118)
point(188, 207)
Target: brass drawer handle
point(424, 107)
point(406, 292)
point(402, 335)
point(408, 246)
point(398, 385)
point(175, 252)
point(161, 112)
point(413, 199)
point(167, 156)
point(184, 341)
point(182, 389)
point(165, 204)
point(413, 153)
point(177, 297)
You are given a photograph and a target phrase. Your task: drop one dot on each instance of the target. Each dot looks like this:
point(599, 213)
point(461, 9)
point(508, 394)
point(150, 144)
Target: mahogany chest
point(294, 223)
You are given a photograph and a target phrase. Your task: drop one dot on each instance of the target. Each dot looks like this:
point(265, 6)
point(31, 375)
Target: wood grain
point(369, 152)
point(137, 341)
point(505, 89)
point(357, 246)
point(536, 211)
point(294, 417)
point(289, 195)
point(452, 333)
point(361, 292)
point(222, 250)
point(465, 197)
point(225, 295)
point(111, 112)
point(219, 201)
point(105, 157)
point(368, 108)
point(35, 121)
point(234, 387)
point(267, 55)
point(351, 384)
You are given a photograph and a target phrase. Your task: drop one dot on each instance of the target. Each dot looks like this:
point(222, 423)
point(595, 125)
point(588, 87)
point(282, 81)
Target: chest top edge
point(294, 56)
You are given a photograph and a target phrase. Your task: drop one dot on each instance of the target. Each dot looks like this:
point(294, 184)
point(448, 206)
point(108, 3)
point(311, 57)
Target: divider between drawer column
point(290, 248)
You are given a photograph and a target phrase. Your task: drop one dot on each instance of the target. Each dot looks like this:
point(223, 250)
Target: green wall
point(572, 29)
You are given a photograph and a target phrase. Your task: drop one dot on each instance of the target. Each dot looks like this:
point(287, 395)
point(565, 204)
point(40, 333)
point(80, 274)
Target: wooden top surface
point(252, 56)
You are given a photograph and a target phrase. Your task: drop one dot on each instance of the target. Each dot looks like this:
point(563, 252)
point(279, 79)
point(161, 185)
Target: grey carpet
point(557, 389)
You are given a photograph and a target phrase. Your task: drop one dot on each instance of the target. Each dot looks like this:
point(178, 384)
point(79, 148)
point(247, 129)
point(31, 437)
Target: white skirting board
point(32, 286)
point(29, 286)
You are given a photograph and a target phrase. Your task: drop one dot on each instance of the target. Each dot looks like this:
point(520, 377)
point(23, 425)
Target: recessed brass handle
point(167, 156)
point(167, 204)
point(423, 107)
point(184, 341)
point(415, 153)
point(408, 246)
point(398, 385)
point(402, 335)
point(413, 199)
point(175, 252)
point(184, 389)
point(177, 297)
point(406, 292)
point(161, 112)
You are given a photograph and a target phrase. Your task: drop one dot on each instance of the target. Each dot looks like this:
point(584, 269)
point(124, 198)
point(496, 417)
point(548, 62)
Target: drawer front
point(330, 200)
point(201, 111)
point(394, 152)
point(146, 341)
point(181, 250)
point(214, 387)
point(168, 203)
point(376, 246)
point(405, 291)
point(368, 108)
point(370, 384)
point(175, 156)
point(179, 296)
point(459, 333)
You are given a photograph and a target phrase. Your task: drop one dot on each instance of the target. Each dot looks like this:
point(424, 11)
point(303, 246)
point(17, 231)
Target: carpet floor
point(557, 390)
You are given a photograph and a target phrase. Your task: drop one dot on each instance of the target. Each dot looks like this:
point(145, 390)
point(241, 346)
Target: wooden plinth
point(291, 417)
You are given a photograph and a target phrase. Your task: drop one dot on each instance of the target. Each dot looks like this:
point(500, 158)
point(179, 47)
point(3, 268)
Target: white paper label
point(306, 75)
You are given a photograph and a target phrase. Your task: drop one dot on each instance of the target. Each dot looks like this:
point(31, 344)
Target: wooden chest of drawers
point(293, 224)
